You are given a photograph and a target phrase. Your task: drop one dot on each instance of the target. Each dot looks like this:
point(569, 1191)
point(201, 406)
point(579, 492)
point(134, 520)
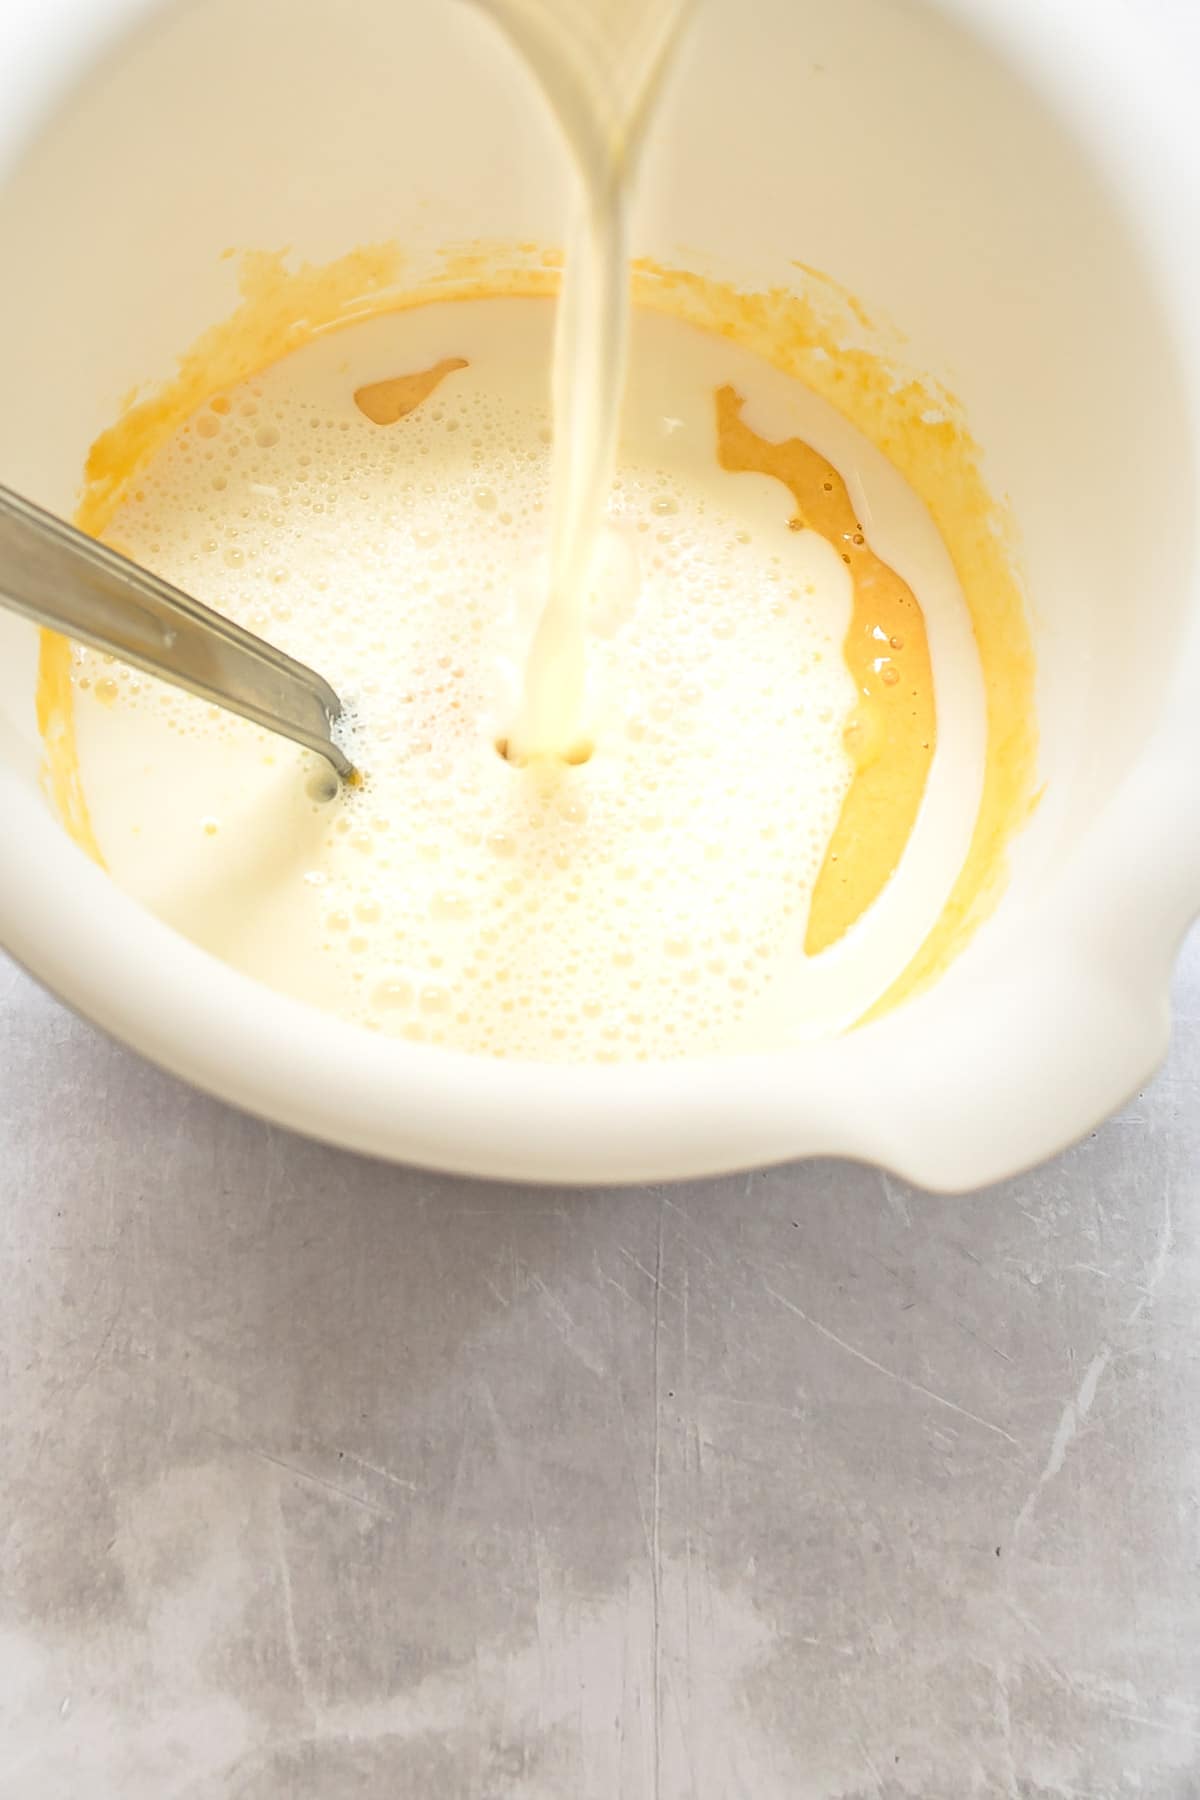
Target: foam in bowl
point(647, 898)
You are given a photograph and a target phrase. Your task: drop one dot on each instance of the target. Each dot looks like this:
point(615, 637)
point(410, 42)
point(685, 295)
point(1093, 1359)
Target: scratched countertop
point(324, 1480)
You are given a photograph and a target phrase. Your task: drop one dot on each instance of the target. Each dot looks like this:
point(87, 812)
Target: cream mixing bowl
point(1009, 181)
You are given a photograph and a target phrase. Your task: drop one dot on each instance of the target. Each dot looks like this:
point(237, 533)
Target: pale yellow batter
point(883, 749)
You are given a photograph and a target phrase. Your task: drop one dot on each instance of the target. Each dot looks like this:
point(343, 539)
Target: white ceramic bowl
point(1006, 178)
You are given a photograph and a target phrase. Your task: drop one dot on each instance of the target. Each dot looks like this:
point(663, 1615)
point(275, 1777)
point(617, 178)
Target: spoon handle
point(60, 578)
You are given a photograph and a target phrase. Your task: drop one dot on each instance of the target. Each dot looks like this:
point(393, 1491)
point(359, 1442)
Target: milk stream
point(601, 64)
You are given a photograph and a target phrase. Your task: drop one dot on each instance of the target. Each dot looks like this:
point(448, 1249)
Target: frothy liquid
point(600, 63)
point(376, 503)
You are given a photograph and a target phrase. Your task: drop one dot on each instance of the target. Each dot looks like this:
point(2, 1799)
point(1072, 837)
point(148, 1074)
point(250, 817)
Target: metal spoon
point(60, 578)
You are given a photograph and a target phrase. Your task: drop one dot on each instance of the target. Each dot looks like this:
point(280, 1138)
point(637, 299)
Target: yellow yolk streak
point(55, 711)
point(893, 730)
point(387, 402)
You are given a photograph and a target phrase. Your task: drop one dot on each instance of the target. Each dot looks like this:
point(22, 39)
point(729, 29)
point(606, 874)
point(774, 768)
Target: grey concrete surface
point(323, 1480)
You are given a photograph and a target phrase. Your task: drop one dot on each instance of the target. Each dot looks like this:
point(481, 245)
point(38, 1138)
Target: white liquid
point(650, 902)
point(600, 63)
